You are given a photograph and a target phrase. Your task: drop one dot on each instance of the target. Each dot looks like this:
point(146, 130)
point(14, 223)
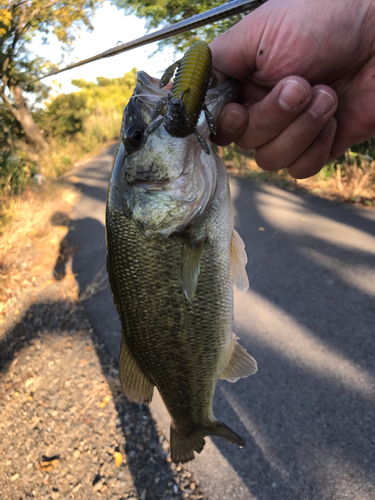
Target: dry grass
point(350, 183)
point(30, 245)
point(353, 183)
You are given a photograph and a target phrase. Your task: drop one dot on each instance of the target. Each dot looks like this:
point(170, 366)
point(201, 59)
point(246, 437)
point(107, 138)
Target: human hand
point(307, 73)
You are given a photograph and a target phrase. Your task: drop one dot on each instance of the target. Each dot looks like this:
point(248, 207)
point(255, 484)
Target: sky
point(110, 27)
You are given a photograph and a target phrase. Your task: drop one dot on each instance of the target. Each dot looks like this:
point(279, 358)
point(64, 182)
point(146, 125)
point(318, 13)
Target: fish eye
point(134, 137)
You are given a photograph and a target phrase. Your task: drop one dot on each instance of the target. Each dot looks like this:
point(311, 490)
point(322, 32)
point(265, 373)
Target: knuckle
point(244, 142)
point(268, 161)
point(307, 166)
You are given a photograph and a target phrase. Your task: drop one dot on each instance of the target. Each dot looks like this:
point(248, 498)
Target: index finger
point(234, 52)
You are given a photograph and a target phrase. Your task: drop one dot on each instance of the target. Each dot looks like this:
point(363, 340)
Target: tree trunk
point(31, 154)
point(23, 115)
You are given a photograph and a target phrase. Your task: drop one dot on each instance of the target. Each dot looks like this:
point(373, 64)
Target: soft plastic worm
point(186, 99)
point(192, 79)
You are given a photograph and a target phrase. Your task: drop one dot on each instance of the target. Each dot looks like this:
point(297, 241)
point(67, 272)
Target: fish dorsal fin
point(135, 384)
point(190, 266)
point(238, 260)
point(240, 364)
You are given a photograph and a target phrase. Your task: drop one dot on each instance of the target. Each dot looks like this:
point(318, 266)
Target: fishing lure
point(185, 101)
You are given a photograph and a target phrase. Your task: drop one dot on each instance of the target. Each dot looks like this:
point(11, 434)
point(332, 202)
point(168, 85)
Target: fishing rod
point(231, 8)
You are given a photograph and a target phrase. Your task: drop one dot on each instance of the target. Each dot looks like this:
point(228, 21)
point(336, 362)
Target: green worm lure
point(185, 101)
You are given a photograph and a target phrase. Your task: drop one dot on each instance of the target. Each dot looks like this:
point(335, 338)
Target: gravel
point(66, 429)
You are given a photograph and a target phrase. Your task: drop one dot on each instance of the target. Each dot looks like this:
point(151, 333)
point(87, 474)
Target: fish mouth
point(147, 180)
point(149, 184)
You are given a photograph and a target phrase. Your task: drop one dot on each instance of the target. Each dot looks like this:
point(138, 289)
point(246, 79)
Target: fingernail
point(232, 122)
point(326, 130)
point(292, 95)
point(321, 103)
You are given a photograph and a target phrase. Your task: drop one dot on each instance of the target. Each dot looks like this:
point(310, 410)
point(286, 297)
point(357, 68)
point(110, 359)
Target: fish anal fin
point(190, 266)
point(183, 446)
point(135, 384)
point(240, 364)
point(238, 260)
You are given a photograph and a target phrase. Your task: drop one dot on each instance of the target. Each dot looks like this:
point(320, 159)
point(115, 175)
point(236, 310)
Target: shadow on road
point(308, 414)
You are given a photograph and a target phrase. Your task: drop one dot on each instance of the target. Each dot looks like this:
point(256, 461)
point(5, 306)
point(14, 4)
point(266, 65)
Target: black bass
point(172, 257)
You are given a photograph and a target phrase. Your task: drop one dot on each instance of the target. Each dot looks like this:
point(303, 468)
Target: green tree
point(108, 93)
point(66, 114)
point(158, 14)
point(20, 21)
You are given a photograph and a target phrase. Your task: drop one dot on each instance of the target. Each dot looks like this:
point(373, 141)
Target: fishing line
point(231, 8)
point(150, 96)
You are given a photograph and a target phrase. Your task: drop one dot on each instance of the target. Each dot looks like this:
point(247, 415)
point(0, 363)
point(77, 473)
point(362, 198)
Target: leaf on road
point(47, 463)
point(118, 458)
point(105, 401)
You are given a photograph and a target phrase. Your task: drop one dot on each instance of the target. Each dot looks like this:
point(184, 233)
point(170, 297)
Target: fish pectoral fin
point(238, 260)
point(135, 384)
point(190, 266)
point(240, 364)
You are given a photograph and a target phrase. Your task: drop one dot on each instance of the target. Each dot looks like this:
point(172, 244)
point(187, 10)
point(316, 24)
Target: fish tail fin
point(221, 430)
point(183, 446)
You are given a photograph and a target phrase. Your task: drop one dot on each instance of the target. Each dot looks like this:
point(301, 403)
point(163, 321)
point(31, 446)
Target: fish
point(172, 258)
point(186, 99)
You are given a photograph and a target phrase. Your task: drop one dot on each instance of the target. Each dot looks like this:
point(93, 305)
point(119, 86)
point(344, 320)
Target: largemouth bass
point(172, 257)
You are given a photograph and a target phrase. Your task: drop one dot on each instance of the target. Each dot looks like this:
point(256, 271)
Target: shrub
point(66, 114)
point(15, 172)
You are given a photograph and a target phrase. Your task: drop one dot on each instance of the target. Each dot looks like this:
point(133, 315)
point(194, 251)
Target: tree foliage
point(158, 14)
point(66, 114)
point(15, 168)
point(108, 93)
point(20, 22)
point(10, 129)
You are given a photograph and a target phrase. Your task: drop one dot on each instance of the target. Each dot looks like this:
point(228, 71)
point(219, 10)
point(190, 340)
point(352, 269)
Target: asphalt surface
point(308, 319)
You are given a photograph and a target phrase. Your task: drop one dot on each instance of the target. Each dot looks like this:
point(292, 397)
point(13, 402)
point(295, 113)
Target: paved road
point(309, 319)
